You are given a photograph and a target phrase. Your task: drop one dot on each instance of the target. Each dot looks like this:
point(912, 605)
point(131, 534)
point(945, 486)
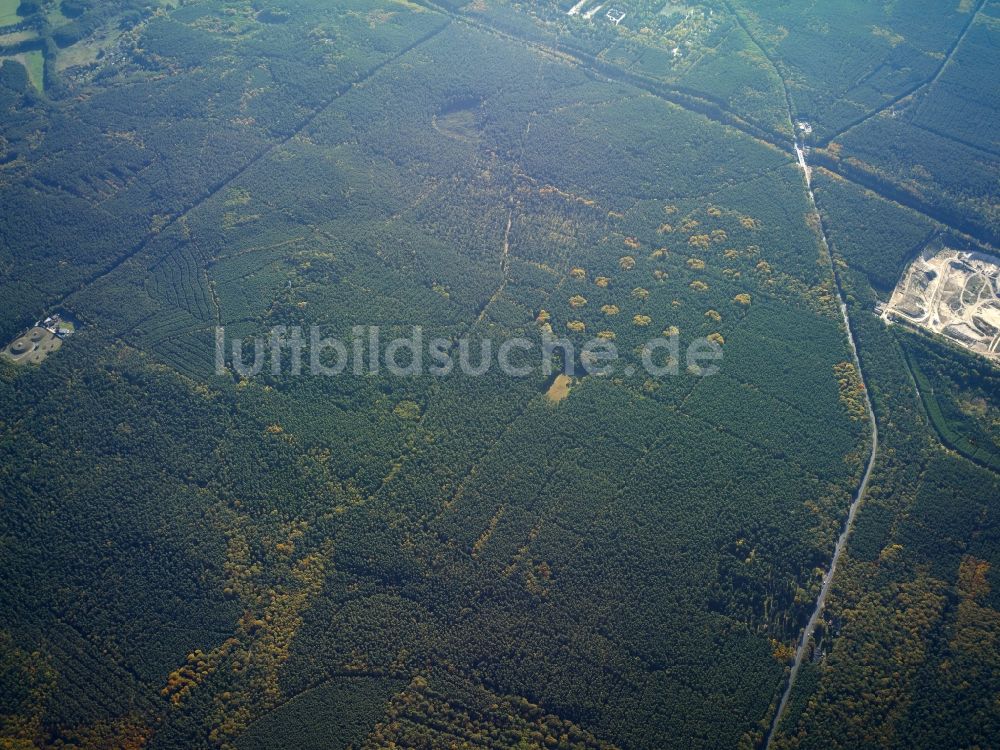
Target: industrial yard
point(953, 293)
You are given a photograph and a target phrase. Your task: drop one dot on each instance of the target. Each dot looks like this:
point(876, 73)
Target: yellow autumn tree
point(641, 320)
point(602, 281)
point(626, 262)
point(577, 301)
point(783, 652)
point(610, 309)
point(577, 326)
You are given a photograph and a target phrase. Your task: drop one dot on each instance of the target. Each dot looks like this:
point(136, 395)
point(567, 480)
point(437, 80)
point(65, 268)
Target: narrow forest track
point(802, 649)
point(807, 632)
point(504, 269)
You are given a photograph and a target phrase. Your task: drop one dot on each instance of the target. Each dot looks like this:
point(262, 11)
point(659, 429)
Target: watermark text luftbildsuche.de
point(298, 350)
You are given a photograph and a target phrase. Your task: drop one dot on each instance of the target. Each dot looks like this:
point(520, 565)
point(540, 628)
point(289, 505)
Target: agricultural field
point(8, 12)
point(210, 539)
point(33, 63)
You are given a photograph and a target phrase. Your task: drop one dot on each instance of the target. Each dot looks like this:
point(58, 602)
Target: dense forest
point(191, 558)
